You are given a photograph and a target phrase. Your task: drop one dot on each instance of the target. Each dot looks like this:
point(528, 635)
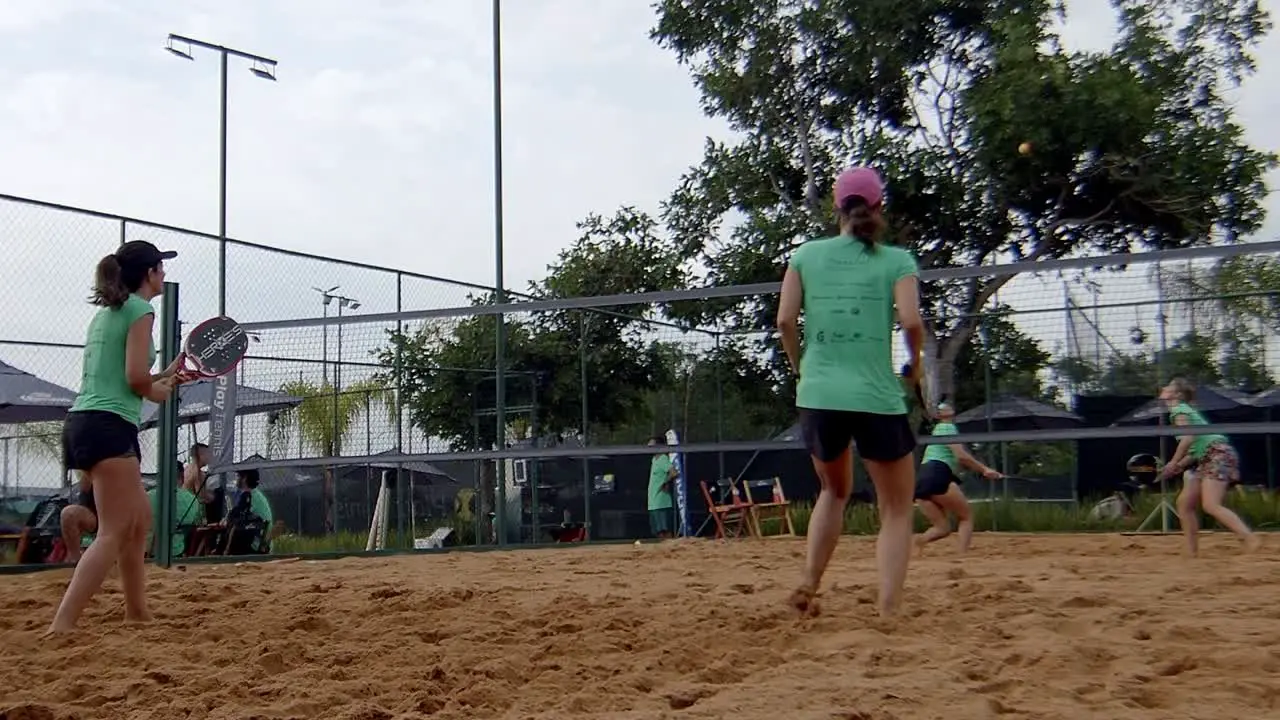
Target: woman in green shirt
point(848, 393)
point(938, 484)
point(100, 435)
point(1216, 468)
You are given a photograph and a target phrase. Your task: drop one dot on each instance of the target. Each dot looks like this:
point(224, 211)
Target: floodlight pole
point(267, 74)
point(499, 292)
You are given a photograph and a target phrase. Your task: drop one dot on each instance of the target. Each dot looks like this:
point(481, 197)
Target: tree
point(446, 368)
point(323, 420)
point(1234, 361)
point(1016, 363)
point(1133, 146)
point(1236, 301)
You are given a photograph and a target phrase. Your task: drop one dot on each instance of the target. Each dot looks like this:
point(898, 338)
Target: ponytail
point(862, 221)
point(108, 284)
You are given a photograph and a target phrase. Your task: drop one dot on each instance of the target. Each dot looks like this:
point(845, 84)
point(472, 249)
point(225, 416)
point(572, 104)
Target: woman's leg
point(835, 480)
point(133, 554)
point(895, 482)
point(957, 504)
point(1217, 471)
point(115, 485)
point(77, 521)
point(1188, 515)
point(939, 525)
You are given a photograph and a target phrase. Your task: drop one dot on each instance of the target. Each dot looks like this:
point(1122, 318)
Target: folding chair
point(777, 507)
point(732, 519)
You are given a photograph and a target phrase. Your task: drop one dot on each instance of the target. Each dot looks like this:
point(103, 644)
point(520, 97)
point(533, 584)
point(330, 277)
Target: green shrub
point(1261, 510)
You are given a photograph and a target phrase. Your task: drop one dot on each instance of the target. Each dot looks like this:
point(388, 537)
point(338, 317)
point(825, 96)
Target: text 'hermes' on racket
point(214, 348)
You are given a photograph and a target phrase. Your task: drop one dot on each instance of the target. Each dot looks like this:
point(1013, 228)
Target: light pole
point(326, 297)
point(262, 67)
point(499, 289)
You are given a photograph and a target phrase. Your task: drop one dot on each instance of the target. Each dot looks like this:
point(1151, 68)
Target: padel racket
point(213, 348)
point(926, 411)
point(1020, 478)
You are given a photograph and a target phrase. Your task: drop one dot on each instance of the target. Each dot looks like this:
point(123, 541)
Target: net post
point(167, 447)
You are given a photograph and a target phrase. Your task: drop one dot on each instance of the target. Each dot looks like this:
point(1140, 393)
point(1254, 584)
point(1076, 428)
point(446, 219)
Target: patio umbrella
point(1209, 399)
point(196, 399)
point(1267, 398)
point(26, 398)
point(1016, 413)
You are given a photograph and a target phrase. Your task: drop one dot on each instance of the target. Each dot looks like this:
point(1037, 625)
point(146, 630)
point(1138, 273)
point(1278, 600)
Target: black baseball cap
point(140, 253)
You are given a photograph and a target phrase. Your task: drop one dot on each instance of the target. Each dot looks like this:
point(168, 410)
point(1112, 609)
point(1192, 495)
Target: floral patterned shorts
point(1220, 463)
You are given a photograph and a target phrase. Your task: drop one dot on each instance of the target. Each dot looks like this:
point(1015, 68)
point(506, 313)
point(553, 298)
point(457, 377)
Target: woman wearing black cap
point(100, 435)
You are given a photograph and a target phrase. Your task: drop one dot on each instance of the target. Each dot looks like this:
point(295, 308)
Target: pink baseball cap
point(860, 182)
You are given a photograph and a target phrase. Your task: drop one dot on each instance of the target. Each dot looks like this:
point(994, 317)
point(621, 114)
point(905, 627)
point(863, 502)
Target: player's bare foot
point(139, 618)
point(921, 543)
point(58, 630)
point(1252, 543)
point(804, 599)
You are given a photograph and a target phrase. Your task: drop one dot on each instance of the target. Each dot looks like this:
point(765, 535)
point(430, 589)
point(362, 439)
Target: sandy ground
point(1066, 627)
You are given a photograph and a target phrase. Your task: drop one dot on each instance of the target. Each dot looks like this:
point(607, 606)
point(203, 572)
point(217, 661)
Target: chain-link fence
point(359, 378)
point(52, 251)
point(1058, 389)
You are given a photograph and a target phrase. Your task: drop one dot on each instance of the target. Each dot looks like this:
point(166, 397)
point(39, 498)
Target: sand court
point(1045, 627)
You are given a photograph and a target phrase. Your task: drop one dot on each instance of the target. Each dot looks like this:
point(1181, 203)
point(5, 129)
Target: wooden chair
point(778, 506)
point(732, 519)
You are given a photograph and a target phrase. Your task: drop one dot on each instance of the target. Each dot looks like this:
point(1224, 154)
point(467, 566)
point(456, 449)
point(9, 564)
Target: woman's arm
point(1184, 442)
point(789, 306)
point(137, 366)
point(906, 299)
point(968, 460)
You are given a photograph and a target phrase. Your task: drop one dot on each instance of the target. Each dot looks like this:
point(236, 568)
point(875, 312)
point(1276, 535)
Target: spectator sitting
point(251, 516)
point(188, 512)
point(79, 520)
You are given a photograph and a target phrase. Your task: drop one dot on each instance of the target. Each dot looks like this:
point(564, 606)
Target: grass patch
point(1261, 510)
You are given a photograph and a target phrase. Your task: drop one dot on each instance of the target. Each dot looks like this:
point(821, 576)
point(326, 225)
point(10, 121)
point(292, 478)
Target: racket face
point(216, 346)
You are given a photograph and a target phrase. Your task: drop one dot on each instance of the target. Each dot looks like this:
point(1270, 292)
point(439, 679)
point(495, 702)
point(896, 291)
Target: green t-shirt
point(659, 498)
point(261, 507)
point(847, 362)
point(187, 508)
point(103, 383)
point(943, 453)
point(1199, 443)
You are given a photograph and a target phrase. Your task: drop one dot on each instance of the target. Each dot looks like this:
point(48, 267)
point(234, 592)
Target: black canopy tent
point(1015, 413)
point(195, 401)
point(25, 398)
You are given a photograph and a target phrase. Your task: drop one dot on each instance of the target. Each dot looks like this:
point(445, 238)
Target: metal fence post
point(167, 450)
point(401, 491)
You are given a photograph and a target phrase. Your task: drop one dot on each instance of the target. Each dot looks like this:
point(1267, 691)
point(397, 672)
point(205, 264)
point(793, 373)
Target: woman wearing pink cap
point(848, 394)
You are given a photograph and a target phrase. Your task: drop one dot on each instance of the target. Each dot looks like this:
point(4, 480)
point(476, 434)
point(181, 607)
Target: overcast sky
point(375, 144)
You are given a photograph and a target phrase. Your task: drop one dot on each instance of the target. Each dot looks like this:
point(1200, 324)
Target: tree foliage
point(1227, 360)
point(323, 421)
point(1133, 146)
point(642, 375)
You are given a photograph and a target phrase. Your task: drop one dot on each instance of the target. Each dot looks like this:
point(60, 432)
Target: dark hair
point(198, 445)
point(1183, 388)
point(659, 439)
point(861, 220)
point(250, 478)
point(114, 282)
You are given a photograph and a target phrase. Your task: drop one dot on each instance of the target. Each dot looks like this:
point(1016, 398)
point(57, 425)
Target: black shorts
point(91, 436)
point(828, 433)
point(934, 478)
point(216, 509)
